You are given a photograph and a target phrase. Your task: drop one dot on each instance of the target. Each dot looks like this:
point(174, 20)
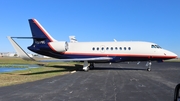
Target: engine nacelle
point(58, 46)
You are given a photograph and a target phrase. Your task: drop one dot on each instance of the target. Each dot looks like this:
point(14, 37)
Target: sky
point(156, 21)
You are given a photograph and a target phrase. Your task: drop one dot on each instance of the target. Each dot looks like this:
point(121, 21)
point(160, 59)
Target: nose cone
point(170, 54)
point(174, 55)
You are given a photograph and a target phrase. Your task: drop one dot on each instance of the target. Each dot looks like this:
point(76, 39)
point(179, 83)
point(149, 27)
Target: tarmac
point(115, 82)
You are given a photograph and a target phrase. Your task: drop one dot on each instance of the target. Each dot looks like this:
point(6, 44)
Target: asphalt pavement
point(115, 82)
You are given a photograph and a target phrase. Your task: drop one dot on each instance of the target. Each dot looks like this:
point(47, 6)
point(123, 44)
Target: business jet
point(90, 52)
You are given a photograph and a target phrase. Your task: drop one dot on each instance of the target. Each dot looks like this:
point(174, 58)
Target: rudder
point(38, 32)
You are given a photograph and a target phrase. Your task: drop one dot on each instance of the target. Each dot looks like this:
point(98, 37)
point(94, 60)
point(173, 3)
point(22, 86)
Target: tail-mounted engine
point(58, 46)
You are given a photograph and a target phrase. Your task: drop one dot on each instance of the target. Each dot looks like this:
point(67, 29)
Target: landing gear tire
point(91, 66)
point(149, 66)
point(85, 66)
point(87, 69)
point(148, 69)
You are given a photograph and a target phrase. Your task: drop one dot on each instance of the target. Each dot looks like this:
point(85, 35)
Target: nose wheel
point(149, 66)
point(148, 69)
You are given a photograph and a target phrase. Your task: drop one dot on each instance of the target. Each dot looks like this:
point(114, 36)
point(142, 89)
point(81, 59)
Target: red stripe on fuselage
point(127, 55)
point(51, 47)
point(40, 27)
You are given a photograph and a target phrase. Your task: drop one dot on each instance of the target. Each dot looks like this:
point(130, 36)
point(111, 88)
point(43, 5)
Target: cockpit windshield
point(155, 46)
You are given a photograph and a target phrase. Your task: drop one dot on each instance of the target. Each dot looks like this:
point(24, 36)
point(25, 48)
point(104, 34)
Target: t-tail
point(38, 32)
point(43, 42)
point(40, 36)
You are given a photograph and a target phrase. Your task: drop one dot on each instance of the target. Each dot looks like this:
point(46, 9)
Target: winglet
point(19, 50)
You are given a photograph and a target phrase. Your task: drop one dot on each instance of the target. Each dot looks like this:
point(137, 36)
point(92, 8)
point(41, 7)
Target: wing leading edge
point(78, 59)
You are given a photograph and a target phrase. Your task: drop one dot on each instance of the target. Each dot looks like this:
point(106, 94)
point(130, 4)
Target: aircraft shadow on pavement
point(63, 69)
point(116, 68)
point(77, 67)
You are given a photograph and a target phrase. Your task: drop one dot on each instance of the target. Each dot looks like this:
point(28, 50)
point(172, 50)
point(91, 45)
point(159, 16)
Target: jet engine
point(59, 46)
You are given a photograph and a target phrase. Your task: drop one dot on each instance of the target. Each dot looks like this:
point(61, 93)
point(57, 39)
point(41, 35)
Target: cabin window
point(97, 48)
point(93, 48)
point(116, 48)
point(102, 48)
point(107, 48)
point(120, 48)
point(129, 48)
point(124, 48)
point(111, 48)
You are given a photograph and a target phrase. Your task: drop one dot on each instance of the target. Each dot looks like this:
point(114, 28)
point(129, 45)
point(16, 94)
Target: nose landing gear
point(149, 65)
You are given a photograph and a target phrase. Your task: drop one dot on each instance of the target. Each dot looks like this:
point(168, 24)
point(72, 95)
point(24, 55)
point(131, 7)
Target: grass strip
point(33, 74)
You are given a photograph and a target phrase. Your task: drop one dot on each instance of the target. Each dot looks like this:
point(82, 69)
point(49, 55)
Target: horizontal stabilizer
point(23, 37)
point(19, 50)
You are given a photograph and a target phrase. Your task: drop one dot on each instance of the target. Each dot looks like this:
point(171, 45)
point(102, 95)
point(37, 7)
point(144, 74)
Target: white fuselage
point(128, 48)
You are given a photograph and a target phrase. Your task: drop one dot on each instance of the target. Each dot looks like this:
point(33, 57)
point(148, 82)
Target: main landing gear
point(91, 66)
point(86, 66)
point(149, 65)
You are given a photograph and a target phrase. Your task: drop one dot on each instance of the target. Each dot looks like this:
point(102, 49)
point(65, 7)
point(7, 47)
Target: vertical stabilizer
point(38, 32)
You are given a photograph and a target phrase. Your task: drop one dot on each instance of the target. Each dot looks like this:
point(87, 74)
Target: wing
point(25, 56)
point(78, 59)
